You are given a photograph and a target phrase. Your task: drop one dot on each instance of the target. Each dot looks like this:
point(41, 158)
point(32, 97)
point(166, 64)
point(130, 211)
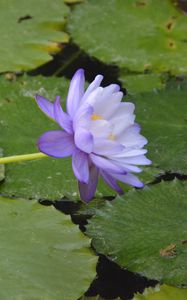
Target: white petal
point(124, 109)
point(106, 147)
point(136, 160)
point(94, 96)
point(93, 85)
point(130, 153)
point(107, 105)
point(129, 168)
point(112, 88)
point(123, 117)
point(131, 137)
point(100, 128)
point(129, 163)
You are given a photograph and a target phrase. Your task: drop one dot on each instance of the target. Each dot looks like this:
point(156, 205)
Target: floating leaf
point(96, 298)
point(162, 115)
point(163, 292)
point(131, 35)
point(22, 123)
point(43, 254)
point(73, 1)
point(87, 210)
point(146, 232)
point(2, 168)
point(141, 82)
point(30, 31)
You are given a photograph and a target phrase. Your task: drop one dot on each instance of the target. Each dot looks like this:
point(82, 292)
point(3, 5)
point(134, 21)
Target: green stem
point(17, 158)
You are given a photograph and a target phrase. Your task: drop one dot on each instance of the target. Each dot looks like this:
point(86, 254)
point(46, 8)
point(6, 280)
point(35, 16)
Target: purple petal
point(106, 164)
point(129, 179)
point(106, 147)
point(46, 106)
point(61, 117)
point(87, 191)
point(76, 91)
point(80, 166)
point(84, 140)
point(56, 143)
point(111, 182)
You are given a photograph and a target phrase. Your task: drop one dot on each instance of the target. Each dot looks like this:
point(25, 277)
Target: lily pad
point(88, 210)
point(146, 232)
point(140, 83)
point(163, 292)
point(22, 123)
point(96, 298)
point(30, 31)
point(43, 254)
point(162, 115)
point(131, 34)
point(2, 168)
point(73, 1)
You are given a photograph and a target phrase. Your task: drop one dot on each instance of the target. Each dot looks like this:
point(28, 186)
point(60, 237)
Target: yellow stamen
point(112, 137)
point(95, 117)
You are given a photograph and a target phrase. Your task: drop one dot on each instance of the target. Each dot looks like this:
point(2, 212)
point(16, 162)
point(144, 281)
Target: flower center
point(95, 117)
point(111, 137)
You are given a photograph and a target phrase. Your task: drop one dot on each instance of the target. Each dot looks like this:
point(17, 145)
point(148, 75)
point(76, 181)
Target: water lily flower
point(99, 132)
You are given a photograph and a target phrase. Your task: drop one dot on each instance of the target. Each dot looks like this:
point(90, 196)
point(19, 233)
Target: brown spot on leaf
point(171, 44)
point(24, 18)
point(147, 67)
point(7, 100)
point(10, 76)
point(169, 251)
point(140, 3)
point(169, 25)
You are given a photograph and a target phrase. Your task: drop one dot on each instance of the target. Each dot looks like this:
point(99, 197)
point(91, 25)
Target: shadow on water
point(71, 59)
point(113, 282)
